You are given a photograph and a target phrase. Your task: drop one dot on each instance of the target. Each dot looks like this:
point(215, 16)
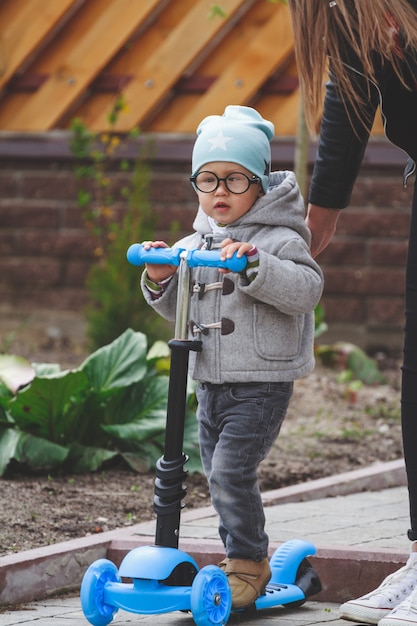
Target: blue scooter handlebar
point(137, 255)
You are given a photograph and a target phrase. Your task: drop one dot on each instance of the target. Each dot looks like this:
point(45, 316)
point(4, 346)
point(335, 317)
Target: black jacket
point(343, 137)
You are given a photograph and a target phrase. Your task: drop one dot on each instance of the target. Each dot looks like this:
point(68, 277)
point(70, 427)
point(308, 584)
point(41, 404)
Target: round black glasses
point(236, 182)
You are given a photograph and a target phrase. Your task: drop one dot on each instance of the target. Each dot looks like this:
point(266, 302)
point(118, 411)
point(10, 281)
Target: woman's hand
point(322, 224)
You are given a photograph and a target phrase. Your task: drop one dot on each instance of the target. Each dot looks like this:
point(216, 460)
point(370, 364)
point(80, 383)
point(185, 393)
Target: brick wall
point(45, 252)
point(364, 264)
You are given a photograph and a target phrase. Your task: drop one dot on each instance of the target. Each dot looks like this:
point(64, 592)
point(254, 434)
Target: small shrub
point(115, 216)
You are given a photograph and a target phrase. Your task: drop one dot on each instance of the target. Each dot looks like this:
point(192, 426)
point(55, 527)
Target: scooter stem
point(170, 472)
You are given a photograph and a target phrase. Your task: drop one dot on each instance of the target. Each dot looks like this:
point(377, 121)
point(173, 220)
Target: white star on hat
point(219, 141)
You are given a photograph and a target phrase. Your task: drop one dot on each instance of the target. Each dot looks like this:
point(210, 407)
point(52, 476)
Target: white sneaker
point(404, 614)
point(374, 606)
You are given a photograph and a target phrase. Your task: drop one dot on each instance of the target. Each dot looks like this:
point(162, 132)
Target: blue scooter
point(164, 578)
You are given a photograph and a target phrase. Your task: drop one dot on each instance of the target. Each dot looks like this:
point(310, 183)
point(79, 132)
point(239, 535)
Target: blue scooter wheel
point(96, 611)
point(211, 597)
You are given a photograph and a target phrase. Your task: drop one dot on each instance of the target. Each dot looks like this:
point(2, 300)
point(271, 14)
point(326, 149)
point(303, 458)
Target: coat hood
point(282, 205)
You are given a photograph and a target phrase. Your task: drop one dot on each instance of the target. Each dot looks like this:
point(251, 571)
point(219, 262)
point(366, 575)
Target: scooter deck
point(279, 594)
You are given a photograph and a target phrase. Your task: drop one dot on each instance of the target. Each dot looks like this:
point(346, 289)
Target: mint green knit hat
point(241, 135)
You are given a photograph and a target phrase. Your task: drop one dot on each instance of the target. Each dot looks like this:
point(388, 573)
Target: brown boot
point(247, 580)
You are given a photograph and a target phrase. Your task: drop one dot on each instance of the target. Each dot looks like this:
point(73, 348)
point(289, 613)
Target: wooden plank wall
point(174, 61)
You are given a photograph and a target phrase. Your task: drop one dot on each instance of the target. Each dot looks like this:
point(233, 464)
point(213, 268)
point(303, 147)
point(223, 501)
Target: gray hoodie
point(263, 330)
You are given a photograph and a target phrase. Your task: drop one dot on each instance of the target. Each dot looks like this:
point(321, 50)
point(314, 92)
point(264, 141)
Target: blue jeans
point(238, 424)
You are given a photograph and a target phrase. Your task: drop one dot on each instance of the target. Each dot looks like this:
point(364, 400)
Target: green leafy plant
point(355, 367)
point(216, 10)
point(112, 406)
point(352, 361)
point(116, 214)
point(320, 325)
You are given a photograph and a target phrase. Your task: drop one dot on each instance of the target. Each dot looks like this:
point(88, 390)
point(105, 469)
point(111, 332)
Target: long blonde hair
point(321, 28)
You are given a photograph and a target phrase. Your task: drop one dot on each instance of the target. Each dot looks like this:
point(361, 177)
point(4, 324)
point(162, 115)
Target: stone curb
point(36, 574)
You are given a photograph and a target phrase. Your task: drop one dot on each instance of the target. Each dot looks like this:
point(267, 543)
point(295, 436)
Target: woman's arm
point(342, 143)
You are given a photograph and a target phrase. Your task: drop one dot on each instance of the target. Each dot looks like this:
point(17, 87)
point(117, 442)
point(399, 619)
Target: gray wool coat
point(264, 330)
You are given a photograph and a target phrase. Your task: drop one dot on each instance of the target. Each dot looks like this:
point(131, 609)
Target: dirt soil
point(329, 429)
